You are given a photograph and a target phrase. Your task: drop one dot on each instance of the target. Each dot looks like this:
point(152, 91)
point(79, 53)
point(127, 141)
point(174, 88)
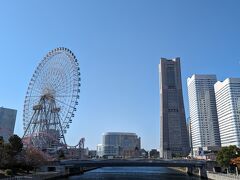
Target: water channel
point(134, 173)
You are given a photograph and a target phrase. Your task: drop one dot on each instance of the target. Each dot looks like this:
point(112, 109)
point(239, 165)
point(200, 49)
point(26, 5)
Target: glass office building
point(228, 109)
point(203, 112)
point(7, 122)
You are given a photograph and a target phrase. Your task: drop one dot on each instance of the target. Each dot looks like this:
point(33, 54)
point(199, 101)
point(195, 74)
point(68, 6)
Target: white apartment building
point(203, 112)
point(99, 150)
point(228, 109)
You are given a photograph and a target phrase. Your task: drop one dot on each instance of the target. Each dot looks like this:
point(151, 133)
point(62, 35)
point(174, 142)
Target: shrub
point(8, 172)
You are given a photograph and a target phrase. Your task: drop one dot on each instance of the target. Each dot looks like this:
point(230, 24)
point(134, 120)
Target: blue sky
point(118, 44)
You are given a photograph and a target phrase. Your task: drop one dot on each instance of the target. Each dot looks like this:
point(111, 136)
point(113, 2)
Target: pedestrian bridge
point(189, 164)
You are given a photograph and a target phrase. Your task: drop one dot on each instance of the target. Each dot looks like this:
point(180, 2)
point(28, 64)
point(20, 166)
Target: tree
point(1, 149)
point(16, 144)
point(1, 141)
point(225, 155)
point(236, 162)
point(33, 157)
point(9, 151)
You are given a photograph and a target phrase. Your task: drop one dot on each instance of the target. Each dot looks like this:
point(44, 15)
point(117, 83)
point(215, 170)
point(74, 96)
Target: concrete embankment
point(183, 170)
point(221, 176)
point(50, 175)
point(37, 176)
point(212, 175)
point(180, 169)
point(76, 171)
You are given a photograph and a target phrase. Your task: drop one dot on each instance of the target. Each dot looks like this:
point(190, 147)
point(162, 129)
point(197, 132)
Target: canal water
point(134, 173)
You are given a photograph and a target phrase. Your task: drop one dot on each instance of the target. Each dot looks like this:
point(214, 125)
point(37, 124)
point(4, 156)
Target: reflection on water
point(133, 173)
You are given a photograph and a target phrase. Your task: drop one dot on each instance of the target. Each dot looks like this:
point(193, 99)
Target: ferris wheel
point(51, 99)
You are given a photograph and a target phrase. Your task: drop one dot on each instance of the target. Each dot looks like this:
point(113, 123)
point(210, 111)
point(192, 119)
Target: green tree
point(1, 141)
point(9, 152)
point(1, 149)
point(16, 144)
point(225, 155)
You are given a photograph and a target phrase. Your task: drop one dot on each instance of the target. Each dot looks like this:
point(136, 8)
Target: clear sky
point(119, 44)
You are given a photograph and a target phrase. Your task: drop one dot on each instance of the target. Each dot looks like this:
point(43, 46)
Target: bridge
point(189, 164)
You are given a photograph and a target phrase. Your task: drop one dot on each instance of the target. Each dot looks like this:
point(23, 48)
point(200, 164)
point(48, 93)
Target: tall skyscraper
point(173, 131)
point(7, 122)
point(203, 112)
point(228, 109)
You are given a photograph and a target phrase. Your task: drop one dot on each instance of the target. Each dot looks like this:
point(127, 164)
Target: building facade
point(228, 109)
point(99, 150)
point(7, 122)
point(173, 131)
point(190, 136)
point(119, 144)
point(203, 112)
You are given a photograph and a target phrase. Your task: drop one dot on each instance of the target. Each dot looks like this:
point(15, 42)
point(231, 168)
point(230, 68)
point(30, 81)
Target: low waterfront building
point(99, 150)
point(207, 153)
point(76, 153)
point(92, 154)
point(143, 153)
point(119, 144)
point(154, 153)
point(7, 122)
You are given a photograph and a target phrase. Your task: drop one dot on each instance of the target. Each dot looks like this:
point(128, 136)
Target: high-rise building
point(203, 112)
point(7, 122)
point(228, 109)
point(189, 136)
point(119, 144)
point(173, 131)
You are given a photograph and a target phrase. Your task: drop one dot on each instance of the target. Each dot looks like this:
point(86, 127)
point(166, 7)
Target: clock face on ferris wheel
point(51, 97)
